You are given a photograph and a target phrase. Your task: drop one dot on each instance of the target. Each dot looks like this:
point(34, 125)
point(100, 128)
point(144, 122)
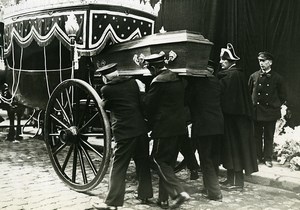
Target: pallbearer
point(167, 121)
point(121, 96)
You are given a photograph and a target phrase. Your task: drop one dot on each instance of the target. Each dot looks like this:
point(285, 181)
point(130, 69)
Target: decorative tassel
point(76, 64)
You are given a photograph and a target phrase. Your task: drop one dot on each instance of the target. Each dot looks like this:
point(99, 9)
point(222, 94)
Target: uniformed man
point(165, 112)
point(121, 96)
point(238, 146)
point(203, 97)
point(268, 93)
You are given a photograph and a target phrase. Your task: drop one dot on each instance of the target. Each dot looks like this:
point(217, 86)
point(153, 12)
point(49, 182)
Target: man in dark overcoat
point(268, 93)
point(203, 97)
point(238, 145)
point(164, 103)
point(121, 96)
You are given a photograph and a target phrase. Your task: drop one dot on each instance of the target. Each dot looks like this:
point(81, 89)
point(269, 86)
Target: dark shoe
point(144, 200)
point(213, 198)
point(269, 164)
point(194, 175)
point(181, 198)
point(19, 137)
point(9, 138)
point(226, 182)
point(259, 161)
point(163, 204)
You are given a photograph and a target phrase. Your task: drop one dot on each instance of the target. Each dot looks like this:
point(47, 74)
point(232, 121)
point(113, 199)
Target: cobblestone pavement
point(28, 181)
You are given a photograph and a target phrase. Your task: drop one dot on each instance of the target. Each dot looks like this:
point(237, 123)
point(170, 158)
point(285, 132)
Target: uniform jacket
point(235, 97)
point(164, 104)
point(122, 98)
point(268, 93)
point(203, 98)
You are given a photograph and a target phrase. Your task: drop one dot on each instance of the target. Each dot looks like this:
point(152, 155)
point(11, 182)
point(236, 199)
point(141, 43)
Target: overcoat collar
point(166, 76)
point(118, 79)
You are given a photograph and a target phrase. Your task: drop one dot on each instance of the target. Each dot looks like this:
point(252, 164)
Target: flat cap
point(107, 69)
point(265, 56)
point(155, 58)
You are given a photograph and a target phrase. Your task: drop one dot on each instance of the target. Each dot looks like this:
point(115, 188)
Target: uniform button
point(258, 94)
point(267, 94)
point(259, 84)
point(268, 85)
point(267, 104)
point(257, 103)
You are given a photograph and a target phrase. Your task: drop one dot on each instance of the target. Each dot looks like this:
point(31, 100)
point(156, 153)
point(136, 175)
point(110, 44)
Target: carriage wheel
point(77, 135)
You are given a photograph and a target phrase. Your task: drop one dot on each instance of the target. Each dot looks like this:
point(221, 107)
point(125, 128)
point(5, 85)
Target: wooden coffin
point(190, 50)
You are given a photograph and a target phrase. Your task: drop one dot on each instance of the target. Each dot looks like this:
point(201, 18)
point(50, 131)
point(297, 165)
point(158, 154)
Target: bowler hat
point(229, 53)
point(265, 56)
point(155, 58)
point(107, 69)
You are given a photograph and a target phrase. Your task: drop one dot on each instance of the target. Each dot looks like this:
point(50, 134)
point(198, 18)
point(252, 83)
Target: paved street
point(28, 181)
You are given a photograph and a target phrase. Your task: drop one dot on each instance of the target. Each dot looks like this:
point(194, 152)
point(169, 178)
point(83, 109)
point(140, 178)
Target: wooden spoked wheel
point(77, 135)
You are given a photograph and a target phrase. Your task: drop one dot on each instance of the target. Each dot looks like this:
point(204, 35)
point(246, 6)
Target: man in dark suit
point(121, 96)
point(164, 103)
point(268, 93)
point(203, 97)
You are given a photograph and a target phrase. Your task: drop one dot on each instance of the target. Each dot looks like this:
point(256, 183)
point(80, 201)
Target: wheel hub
point(69, 135)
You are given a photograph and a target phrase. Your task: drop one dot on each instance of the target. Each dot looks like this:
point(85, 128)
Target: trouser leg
point(258, 132)
point(165, 152)
point(239, 178)
point(205, 146)
point(122, 155)
point(163, 194)
point(142, 162)
point(269, 130)
point(188, 151)
point(230, 176)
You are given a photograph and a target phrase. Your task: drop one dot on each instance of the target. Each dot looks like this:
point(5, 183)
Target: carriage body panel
point(39, 51)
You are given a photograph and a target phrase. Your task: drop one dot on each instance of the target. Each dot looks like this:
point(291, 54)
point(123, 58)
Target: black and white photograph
point(149, 104)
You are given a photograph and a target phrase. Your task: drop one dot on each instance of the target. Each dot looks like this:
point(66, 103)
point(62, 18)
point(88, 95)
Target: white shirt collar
point(266, 71)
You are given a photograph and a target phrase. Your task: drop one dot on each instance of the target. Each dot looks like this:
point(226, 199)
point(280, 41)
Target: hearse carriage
point(52, 49)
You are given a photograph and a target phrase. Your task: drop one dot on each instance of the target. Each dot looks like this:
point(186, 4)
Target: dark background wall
point(251, 26)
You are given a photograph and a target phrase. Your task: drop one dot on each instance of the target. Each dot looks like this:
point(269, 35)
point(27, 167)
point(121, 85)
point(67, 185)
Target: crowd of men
point(232, 124)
